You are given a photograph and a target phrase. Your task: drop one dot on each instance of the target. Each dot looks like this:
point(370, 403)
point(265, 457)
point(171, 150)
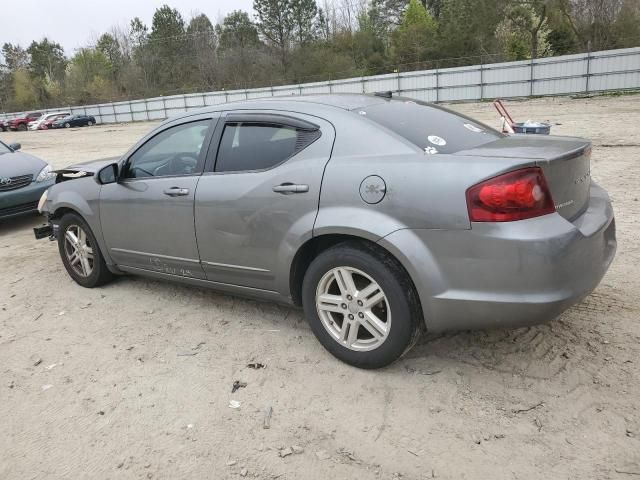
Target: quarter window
point(174, 151)
point(247, 146)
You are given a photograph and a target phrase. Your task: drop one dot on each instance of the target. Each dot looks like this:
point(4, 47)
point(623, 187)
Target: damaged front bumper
point(50, 230)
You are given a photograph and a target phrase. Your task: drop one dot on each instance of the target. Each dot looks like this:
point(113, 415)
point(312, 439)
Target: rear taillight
point(511, 196)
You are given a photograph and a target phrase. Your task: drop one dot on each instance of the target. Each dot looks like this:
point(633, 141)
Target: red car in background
point(21, 123)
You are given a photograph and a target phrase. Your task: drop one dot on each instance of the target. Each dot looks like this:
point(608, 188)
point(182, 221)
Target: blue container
point(534, 128)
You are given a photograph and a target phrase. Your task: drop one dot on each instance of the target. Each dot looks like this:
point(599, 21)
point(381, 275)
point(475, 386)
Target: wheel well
point(60, 212)
point(312, 248)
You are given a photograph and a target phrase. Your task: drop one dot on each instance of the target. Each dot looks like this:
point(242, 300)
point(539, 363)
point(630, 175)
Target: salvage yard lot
point(133, 380)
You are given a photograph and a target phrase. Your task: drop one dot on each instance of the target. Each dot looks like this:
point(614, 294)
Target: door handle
point(289, 188)
point(176, 192)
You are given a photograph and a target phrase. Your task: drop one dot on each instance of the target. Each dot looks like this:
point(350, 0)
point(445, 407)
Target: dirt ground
point(134, 380)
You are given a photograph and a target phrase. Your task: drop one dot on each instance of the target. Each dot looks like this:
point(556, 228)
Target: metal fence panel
point(568, 74)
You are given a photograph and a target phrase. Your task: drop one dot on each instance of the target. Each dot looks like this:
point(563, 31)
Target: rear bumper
point(23, 200)
point(508, 274)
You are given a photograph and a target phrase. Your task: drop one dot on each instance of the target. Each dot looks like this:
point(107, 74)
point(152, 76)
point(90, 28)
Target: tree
point(390, 11)
point(434, 7)
point(524, 31)
point(237, 32)
point(110, 48)
point(46, 68)
point(323, 29)
point(593, 21)
point(88, 63)
point(138, 32)
point(47, 60)
point(240, 53)
point(303, 16)
point(467, 28)
point(276, 24)
point(141, 54)
point(167, 42)
point(15, 57)
point(25, 92)
point(202, 42)
point(88, 76)
point(627, 25)
point(415, 38)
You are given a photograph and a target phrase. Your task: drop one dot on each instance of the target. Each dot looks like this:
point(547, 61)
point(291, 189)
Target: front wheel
point(80, 253)
point(361, 305)
point(22, 127)
point(67, 125)
point(89, 123)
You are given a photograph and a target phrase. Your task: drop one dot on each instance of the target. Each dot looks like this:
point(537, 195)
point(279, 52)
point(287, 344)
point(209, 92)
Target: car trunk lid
point(565, 161)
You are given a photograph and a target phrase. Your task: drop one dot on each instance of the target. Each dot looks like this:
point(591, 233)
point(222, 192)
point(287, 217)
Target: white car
point(35, 125)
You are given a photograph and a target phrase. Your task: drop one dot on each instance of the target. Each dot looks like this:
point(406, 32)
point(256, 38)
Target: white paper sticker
point(473, 128)
point(430, 150)
point(436, 140)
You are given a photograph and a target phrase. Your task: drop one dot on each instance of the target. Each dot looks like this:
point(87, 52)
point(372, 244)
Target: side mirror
point(15, 146)
point(108, 174)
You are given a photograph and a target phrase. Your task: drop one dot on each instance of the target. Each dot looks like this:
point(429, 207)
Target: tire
point(398, 309)
point(99, 274)
point(89, 123)
point(67, 125)
point(21, 128)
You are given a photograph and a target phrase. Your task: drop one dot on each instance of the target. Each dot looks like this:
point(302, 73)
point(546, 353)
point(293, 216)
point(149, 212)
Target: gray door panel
point(247, 232)
point(146, 228)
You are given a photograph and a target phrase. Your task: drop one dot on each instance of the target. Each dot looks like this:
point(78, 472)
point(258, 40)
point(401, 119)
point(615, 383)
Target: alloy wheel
point(353, 309)
point(79, 250)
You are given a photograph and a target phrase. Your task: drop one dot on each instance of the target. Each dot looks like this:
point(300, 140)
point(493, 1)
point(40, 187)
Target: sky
point(76, 23)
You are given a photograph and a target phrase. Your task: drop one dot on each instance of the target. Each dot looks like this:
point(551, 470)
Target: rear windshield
point(432, 128)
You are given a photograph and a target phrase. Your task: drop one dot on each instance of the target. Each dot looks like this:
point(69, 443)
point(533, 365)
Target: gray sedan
point(381, 217)
point(23, 179)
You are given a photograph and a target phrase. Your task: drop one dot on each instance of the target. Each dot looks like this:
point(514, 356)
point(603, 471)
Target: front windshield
point(4, 149)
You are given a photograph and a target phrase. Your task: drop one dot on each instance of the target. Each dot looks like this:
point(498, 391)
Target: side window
point(174, 151)
point(258, 146)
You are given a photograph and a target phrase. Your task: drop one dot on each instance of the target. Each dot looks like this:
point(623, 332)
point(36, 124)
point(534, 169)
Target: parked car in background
point(23, 179)
point(74, 121)
point(381, 217)
point(4, 126)
point(22, 123)
point(46, 125)
point(47, 117)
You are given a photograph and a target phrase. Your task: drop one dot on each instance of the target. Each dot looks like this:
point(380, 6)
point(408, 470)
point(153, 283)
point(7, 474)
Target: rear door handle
point(289, 188)
point(176, 192)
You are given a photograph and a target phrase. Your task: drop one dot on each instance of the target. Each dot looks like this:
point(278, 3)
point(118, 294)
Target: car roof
point(343, 101)
point(336, 102)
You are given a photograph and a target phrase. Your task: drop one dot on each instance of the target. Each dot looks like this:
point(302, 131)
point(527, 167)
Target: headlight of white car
point(45, 174)
point(43, 200)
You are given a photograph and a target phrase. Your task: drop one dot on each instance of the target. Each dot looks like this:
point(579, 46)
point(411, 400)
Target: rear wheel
point(89, 123)
point(80, 253)
point(67, 125)
point(361, 305)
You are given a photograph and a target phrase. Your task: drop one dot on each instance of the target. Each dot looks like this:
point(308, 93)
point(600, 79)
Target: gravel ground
point(134, 380)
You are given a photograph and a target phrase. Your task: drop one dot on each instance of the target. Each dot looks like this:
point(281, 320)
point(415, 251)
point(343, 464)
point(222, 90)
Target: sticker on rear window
point(436, 140)
point(430, 150)
point(473, 128)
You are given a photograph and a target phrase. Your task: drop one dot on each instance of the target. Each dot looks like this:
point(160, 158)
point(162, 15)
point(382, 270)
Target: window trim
point(202, 156)
point(267, 119)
